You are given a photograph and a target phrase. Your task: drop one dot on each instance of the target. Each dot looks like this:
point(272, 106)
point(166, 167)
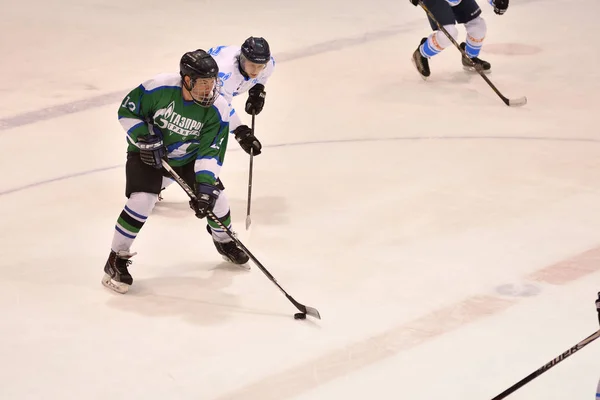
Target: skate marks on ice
point(356, 356)
point(198, 297)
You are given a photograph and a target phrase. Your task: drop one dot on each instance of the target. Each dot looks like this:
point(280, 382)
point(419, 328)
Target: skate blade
point(474, 71)
point(412, 59)
point(245, 266)
point(118, 287)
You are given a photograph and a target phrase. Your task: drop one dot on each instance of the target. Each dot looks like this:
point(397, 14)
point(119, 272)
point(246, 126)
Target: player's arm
point(209, 161)
point(211, 155)
point(257, 93)
point(134, 113)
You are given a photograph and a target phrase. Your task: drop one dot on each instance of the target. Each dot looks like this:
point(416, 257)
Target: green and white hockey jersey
point(190, 132)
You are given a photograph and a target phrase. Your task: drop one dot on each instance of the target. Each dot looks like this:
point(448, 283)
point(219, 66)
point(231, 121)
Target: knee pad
point(440, 38)
point(221, 207)
point(142, 203)
point(438, 41)
point(476, 30)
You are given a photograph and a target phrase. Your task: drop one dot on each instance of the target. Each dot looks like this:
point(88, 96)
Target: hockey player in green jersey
point(181, 117)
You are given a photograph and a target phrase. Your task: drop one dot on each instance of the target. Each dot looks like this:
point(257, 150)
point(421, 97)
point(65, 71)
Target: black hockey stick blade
point(313, 312)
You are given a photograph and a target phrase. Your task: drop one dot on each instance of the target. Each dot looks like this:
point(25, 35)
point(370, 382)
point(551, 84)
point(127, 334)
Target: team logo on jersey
point(167, 118)
point(215, 50)
point(222, 78)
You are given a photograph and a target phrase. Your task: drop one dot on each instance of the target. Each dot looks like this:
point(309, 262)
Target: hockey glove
point(152, 150)
point(206, 197)
point(500, 6)
point(414, 2)
point(247, 140)
point(256, 99)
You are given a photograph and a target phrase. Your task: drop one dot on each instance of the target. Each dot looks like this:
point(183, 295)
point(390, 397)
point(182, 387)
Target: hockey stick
point(552, 363)
point(304, 309)
point(521, 101)
point(248, 219)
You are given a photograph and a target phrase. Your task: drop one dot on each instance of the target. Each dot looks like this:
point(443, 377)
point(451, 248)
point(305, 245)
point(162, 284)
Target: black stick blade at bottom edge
point(305, 309)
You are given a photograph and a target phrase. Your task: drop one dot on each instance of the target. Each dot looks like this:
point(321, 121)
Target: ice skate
point(421, 63)
point(232, 253)
point(483, 66)
point(116, 276)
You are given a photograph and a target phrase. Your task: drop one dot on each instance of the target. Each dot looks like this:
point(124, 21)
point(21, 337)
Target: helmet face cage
point(204, 91)
point(202, 71)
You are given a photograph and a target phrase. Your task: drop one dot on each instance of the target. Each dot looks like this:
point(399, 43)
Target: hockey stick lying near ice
point(248, 219)
point(521, 101)
point(304, 309)
point(552, 363)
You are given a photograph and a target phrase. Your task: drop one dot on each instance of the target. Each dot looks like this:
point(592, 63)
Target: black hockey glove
point(256, 99)
point(247, 140)
point(414, 2)
point(152, 150)
point(500, 6)
point(206, 197)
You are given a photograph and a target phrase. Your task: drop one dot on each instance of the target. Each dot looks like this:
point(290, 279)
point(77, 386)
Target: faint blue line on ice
point(60, 178)
point(114, 97)
point(333, 141)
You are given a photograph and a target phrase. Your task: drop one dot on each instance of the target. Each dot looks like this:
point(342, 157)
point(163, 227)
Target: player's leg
point(467, 12)
point(143, 184)
point(437, 41)
point(223, 243)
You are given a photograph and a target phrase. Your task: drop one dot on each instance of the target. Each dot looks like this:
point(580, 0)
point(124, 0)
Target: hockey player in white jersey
point(448, 13)
point(242, 69)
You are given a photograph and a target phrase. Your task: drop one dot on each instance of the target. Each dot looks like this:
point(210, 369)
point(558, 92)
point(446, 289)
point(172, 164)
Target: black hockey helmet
point(198, 64)
point(256, 50)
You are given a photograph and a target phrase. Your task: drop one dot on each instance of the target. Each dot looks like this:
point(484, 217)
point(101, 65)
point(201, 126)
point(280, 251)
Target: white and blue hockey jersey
point(231, 81)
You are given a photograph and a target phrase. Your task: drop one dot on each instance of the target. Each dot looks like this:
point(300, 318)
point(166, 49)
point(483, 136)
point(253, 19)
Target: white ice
point(451, 243)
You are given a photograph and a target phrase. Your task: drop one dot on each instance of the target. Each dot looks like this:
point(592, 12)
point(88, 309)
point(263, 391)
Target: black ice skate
point(421, 63)
point(116, 276)
point(232, 253)
point(483, 66)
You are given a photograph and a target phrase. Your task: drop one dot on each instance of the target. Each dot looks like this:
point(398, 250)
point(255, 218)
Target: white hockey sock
point(476, 30)
point(438, 41)
point(221, 211)
point(132, 219)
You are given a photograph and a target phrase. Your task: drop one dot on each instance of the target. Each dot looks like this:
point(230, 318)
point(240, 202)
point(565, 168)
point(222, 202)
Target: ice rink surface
point(451, 243)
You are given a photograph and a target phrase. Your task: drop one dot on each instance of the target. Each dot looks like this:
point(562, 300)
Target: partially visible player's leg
point(437, 41)
point(143, 184)
point(467, 12)
point(223, 243)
